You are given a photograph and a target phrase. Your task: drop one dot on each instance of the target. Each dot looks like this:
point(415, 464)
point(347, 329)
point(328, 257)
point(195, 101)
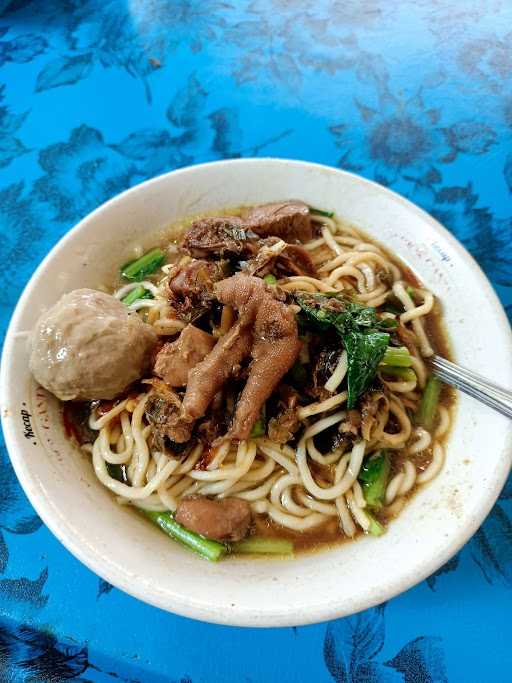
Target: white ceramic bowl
point(137, 558)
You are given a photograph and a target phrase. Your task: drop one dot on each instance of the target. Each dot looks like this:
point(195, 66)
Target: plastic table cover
point(98, 95)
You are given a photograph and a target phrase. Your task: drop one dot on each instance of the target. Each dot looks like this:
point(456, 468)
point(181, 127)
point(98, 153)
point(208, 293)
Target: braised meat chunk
point(276, 256)
point(161, 409)
point(289, 220)
point(220, 520)
point(190, 287)
point(283, 426)
point(216, 237)
point(295, 260)
point(176, 359)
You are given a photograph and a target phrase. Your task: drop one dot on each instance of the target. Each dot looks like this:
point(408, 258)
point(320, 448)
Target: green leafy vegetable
point(364, 353)
point(429, 402)
point(210, 550)
point(145, 265)
point(388, 324)
point(336, 310)
point(118, 472)
point(270, 279)
point(137, 293)
point(320, 212)
point(376, 528)
point(374, 477)
point(359, 328)
point(267, 546)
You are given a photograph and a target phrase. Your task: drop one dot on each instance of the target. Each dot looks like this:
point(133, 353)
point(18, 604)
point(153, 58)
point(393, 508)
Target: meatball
point(227, 519)
point(89, 346)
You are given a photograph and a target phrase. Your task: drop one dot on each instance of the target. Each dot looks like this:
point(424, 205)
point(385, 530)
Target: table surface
point(98, 95)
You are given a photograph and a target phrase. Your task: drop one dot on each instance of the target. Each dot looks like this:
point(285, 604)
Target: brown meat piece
point(217, 236)
point(407, 338)
point(208, 377)
point(289, 220)
point(324, 365)
point(352, 424)
point(275, 348)
point(176, 359)
point(190, 287)
point(264, 261)
point(295, 260)
point(275, 256)
point(282, 427)
point(227, 519)
point(372, 403)
point(161, 409)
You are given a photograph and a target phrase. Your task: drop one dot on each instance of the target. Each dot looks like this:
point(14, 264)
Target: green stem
point(376, 528)
point(320, 212)
point(397, 356)
point(429, 401)
point(401, 373)
point(374, 476)
point(268, 546)
point(136, 293)
point(210, 550)
point(145, 265)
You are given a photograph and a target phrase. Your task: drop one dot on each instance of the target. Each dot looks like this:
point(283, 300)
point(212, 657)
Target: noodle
point(338, 375)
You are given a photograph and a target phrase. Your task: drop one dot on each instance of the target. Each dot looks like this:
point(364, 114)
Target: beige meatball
point(88, 346)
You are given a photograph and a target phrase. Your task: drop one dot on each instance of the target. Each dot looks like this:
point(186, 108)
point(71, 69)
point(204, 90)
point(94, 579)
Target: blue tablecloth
point(98, 95)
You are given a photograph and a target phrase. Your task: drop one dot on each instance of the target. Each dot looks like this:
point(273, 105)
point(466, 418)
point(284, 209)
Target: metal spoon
point(472, 384)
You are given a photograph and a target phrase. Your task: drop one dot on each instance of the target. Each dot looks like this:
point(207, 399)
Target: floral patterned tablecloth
point(98, 95)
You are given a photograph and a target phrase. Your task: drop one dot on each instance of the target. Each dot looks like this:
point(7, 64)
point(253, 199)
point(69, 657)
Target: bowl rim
point(243, 616)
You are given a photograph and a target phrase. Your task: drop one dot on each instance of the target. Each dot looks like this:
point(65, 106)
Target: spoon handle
point(472, 384)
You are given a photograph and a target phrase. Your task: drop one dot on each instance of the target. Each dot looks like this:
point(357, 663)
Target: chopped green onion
point(376, 528)
point(210, 550)
point(374, 477)
point(398, 356)
point(320, 212)
point(145, 265)
point(406, 374)
point(410, 291)
point(429, 401)
point(270, 279)
point(259, 427)
point(136, 293)
point(268, 546)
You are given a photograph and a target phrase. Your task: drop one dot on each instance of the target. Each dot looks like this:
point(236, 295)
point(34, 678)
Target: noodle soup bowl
point(128, 551)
